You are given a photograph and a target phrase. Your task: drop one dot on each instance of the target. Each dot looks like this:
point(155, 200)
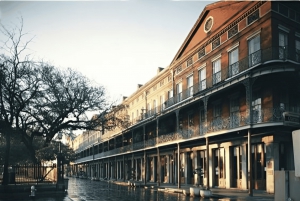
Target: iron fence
point(30, 173)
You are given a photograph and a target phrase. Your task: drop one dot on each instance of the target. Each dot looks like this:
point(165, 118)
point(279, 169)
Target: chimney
point(139, 86)
point(159, 69)
point(124, 98)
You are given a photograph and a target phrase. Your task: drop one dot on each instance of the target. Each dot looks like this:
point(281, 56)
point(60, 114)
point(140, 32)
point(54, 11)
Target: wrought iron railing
point(30, 173)
point(234, 121)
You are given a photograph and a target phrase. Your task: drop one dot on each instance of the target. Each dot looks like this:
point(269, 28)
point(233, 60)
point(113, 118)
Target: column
point(132, 174)
point(123, 169)
point(227, 167)
point(136, 169)
point(186, 168)
point(108, 169)
point(145, 168)
point(178, 164)
point(244, 166)
point(154, 169)
point(207, 164)
point(196, 161)
point(159, 167)
point(168, 165)
point(177, 120)
point(250, 182)
point(248, 87)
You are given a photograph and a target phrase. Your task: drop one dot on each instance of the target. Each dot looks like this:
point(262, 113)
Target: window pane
point(217, 66)
point(233, 56)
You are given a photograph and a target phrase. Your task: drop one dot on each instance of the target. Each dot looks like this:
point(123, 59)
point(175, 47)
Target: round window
point(208, 24)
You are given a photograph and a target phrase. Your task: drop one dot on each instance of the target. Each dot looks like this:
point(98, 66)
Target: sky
point(117, 44)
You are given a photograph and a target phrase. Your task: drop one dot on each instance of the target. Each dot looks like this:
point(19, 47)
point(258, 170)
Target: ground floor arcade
point(224, 161)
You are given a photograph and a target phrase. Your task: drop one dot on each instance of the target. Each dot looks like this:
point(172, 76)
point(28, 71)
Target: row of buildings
point(227, 103)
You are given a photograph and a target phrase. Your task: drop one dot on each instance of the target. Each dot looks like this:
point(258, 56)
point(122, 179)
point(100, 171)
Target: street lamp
point(60, 165)
point(59, 136)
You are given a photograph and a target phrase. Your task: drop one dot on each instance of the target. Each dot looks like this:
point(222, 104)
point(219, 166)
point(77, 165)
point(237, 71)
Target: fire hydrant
point(32, 191)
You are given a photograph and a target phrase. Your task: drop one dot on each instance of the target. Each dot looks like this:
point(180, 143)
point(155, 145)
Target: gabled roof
point(222, 12)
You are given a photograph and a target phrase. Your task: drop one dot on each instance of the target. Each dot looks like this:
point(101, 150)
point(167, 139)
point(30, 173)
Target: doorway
point(219, 167)
point(236, 166)
point(258, 164)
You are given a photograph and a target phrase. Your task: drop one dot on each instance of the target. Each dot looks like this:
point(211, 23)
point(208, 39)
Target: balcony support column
point(177, 120)
point(108, 169)
point(207, 164)
point(145, 168)
point(178, 165)
point(159, 167)
point(250, 192)
point(248, 83)
point(132, 168)
point(205, 102)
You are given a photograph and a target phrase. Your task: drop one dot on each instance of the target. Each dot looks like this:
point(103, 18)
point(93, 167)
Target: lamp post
point(60, 165)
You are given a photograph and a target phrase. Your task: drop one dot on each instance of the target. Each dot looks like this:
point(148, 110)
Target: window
point(217, 110)
point(170, 94)
point(149, 109)
point(283, 10)
point(256, 107)
point(202, 79)
point(191, 120)
point(190, 86)
point(216, 71)
point(283, 41)
point(233, 31)
point(154, 106)
point(216, 43)
point(161, 83)
point(201, 53)
point(233, 62)
point(179, 91)
point(178, 70)
point(189, 62)
point(253, 17)
point(162, 100)
point(170, 100)
point(234, 113)
point(297, 50)
point(254, 50)
point(169, 78)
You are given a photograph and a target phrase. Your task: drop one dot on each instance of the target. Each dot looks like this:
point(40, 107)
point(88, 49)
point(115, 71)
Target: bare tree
point(38, 100)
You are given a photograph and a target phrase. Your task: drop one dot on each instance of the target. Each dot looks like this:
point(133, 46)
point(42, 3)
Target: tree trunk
point(6, 159)
point(28, 143)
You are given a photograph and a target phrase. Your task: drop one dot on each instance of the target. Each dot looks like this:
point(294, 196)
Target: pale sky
point(117, 44)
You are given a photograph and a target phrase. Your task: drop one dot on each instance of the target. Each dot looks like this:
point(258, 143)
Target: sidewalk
point(221, 193)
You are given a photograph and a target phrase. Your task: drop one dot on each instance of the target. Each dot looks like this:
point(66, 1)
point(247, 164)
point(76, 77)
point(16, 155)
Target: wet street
point(87, 190)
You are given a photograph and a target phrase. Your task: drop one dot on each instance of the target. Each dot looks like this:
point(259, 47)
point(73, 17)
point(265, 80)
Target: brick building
point(234, 82)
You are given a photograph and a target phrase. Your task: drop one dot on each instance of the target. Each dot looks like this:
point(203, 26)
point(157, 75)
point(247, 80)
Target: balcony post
point(178, 165)
point(145, 167)
point(123, 169)
point(205, 102)
point(250, 192)
point(248, 85)
point(177, 120)
point(207, 164)
point(159, 167)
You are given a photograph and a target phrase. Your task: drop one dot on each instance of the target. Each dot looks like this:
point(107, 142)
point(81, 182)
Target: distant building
point(234, 80)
